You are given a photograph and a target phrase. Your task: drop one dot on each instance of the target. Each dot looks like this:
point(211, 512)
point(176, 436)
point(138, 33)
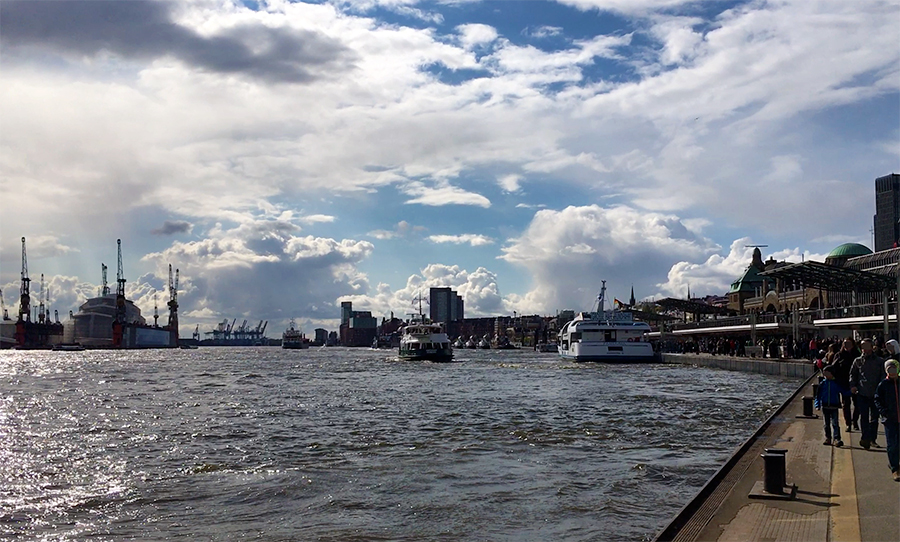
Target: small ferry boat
point(601, 335)
point(424, 340)
point(293, 338)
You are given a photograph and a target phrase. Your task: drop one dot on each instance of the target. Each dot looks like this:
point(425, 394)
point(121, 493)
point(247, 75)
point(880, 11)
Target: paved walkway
point(843, 494)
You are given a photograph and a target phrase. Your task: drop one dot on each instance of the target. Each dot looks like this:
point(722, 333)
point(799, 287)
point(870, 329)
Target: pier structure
point(826, 493)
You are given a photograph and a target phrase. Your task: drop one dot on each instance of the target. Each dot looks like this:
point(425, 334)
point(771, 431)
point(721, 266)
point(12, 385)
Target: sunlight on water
point(341, 444)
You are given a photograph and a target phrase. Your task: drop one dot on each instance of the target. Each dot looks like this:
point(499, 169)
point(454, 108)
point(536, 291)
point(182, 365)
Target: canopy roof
point(692, 307)
point(832, 278)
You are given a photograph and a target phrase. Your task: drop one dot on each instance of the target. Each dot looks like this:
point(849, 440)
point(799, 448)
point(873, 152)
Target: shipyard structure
point(106, 321)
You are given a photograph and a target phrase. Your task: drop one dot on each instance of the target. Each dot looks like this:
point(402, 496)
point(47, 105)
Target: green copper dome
point(849, 250)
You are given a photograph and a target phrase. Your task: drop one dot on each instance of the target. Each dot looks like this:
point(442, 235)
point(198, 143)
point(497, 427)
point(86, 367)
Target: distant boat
point(548, 348)
point(72, 347)
point(484, 343)
point(603, 335)
point(293, 338)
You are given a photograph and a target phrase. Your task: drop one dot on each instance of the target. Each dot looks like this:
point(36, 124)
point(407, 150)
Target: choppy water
point(350, 444)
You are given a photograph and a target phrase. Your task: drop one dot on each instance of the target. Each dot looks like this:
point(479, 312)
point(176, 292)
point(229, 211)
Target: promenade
point(842, 494)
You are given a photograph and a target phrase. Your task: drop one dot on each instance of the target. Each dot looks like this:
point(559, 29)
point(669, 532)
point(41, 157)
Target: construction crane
point(24, 295)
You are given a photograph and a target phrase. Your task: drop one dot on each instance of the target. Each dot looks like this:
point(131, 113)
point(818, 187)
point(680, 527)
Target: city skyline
point(287, 156)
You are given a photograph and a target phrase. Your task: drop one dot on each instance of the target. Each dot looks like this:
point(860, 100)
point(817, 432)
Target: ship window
point(576, 336)
point(609, 335)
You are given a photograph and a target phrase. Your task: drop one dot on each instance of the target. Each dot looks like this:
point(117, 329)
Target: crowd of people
point(860, 382)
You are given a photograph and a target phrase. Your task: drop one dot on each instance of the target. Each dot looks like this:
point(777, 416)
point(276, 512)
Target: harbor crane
point(173, 302)
point(24, 294)
point(121, 313)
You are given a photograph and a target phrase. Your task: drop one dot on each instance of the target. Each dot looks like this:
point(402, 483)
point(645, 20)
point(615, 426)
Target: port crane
point(24, 293)
point(121, 313)
point(41, 309)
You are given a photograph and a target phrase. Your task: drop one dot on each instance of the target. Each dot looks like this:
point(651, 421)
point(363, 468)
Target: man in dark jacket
point(842, 362)
point(865, 375)
point(887, 399)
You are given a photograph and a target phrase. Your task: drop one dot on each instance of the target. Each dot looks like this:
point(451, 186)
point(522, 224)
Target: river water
point(352, 444)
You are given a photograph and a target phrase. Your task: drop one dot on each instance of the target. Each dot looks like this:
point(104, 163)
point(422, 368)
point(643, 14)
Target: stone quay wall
point(788, 368)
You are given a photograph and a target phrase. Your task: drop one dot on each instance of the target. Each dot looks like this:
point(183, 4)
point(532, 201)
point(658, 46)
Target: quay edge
point(786, 368)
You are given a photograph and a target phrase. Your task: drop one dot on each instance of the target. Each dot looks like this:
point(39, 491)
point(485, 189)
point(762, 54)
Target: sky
point(287, 156)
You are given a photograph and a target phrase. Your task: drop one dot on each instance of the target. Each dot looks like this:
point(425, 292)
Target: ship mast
point(601, 297)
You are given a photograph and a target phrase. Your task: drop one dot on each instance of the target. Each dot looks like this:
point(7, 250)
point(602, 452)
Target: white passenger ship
point(602, 335)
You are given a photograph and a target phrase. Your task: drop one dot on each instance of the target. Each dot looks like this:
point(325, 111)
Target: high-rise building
point(887, 212)
point(346, 312)
point(446, 305)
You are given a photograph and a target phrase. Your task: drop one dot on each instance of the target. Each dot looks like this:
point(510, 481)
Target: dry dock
point(842, 494)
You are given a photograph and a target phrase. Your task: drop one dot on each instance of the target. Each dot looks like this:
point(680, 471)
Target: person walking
point(828, 400)
point(842, 362)
point(887, 400)
point(865, 375)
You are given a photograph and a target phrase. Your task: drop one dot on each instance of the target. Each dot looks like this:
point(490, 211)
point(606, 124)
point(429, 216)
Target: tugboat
point(293, 338)
point(602, 335)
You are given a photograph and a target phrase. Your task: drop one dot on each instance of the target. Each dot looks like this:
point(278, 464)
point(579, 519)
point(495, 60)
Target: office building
point(446, 305)
point(887, 212)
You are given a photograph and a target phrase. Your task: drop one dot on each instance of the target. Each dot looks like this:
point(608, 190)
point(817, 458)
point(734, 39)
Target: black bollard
point(808, 406)
point(775, 476)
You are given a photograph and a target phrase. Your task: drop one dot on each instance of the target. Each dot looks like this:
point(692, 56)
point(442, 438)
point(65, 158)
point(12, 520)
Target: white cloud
point(443, 194)
point(569, 252)
point(261, 270)
point(473, 35)
point(478, 288)
point(716, 273)
point(475, 240)
point(510, 182)
point(317, 219)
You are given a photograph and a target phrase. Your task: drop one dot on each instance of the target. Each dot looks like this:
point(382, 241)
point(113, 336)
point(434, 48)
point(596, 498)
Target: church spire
point(631, 301)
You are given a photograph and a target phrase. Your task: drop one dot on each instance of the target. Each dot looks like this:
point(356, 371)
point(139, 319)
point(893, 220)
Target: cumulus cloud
point(715, 274)
point(473, 239)
point(171, 227)
point(317, 219)
point(262, 270)
point(472, 35)
point(478, 288)
point(569, 252)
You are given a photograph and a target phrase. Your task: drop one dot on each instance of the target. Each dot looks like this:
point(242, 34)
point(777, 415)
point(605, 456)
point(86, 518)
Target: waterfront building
point(358, 328)
point(887, 212)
